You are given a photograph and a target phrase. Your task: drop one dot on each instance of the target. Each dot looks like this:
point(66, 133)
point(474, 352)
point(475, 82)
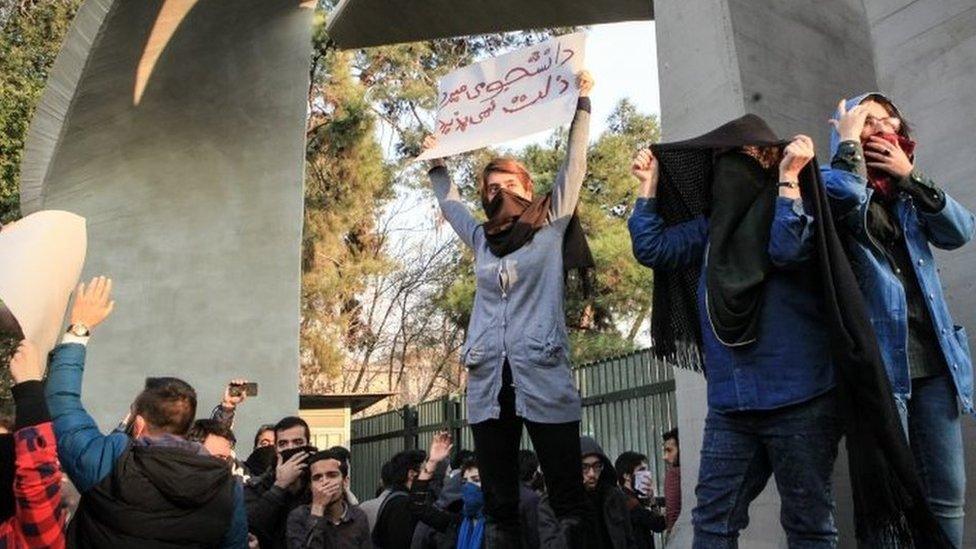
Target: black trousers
point(496, 446)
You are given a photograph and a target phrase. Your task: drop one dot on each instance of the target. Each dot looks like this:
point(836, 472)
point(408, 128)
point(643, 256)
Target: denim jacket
point(947, 229)
point(790, 362)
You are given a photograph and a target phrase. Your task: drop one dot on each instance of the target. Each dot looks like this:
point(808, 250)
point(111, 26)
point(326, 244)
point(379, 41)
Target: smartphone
point(249, 389)
point(642, 478)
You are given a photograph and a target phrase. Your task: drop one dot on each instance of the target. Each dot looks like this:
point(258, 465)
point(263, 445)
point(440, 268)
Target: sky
point(623, 60)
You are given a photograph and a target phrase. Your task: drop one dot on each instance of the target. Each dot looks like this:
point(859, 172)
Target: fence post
point(410, 426)
point(452, 422)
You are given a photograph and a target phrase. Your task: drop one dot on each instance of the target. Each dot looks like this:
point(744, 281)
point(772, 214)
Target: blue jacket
point(88, 456)
point(780, 368)
point(948, 229)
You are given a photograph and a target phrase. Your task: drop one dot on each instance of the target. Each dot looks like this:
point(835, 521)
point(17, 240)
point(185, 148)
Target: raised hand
point(93, 303)
point(796, 155)
point(26, 364)
point(644, 167)
point(850, 123)
point(231, 397)
point(428, 143)
point(585, 82)
point(440, 447)
point(886, 156)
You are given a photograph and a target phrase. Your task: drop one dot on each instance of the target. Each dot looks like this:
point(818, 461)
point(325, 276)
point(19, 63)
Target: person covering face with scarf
point(890, 214)
point(722, 221)
point(517, 346)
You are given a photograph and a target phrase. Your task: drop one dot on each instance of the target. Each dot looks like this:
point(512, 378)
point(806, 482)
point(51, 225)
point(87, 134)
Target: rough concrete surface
point(193, 196)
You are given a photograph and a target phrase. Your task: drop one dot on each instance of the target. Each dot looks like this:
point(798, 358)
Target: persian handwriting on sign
point(509, 96)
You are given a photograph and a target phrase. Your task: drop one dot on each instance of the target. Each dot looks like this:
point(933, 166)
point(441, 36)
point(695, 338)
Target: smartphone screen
point(250, 389)
point(642, 479)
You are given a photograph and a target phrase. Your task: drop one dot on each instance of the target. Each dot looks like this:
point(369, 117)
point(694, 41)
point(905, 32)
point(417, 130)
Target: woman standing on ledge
point(517, 347)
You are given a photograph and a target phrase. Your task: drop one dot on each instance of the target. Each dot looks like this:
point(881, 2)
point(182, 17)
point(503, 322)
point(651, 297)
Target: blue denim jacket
point(790, 362)
point(948, 229)
point(87, 456)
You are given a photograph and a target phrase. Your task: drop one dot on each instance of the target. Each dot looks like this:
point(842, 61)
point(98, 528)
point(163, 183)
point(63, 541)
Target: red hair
point(510, 166)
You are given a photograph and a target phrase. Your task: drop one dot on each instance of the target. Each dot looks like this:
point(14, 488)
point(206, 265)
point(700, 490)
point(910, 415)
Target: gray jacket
point(518, 304)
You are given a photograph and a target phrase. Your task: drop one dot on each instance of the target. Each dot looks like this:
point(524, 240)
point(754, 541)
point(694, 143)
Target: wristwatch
point(789, 184)
point(78, 329)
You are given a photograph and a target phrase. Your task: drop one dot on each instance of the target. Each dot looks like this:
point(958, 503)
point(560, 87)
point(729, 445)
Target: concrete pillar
point(177, 130)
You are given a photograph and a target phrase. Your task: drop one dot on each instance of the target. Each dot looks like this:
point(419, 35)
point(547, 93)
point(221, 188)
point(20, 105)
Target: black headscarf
point(685, 192)
point(889, 499)
point(513, 221)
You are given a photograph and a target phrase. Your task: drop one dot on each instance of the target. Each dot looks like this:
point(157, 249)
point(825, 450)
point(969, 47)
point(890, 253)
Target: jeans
point(932, 422)
point(796, 444)
point(496, 446)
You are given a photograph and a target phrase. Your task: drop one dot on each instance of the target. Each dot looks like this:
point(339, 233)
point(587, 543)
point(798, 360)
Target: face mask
point(474, 499)
point(7, 469)
point(261, 460)
point(881, 181)
point(503, 210)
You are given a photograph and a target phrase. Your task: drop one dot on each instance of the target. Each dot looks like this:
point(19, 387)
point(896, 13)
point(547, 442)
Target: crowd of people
point(165, 479)
point(811, 293)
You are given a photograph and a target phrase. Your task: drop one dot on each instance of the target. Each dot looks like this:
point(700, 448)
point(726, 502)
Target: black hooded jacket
point(157, 497)
point(611, 513)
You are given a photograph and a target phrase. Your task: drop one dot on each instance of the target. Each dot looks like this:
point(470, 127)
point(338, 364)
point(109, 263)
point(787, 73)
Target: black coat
point(157, 497)
point(268, 507)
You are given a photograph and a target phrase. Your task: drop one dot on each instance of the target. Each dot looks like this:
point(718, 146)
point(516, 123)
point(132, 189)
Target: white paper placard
point(41, 257)
point(507, 97)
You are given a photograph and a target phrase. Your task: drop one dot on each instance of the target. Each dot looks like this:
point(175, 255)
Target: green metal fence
point(628, 402)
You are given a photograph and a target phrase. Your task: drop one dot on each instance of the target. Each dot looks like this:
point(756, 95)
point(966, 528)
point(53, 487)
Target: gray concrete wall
point(193, 196)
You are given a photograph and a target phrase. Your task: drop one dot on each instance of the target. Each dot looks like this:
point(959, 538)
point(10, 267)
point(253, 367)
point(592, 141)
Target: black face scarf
point(261, 459)
point(889, 499)
point(7, 470)
point(685, 191)
point(513, 221)
point(743, 202)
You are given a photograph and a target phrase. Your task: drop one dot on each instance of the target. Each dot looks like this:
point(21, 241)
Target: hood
point(850, 104)
point(590, 447)
point(184, 478)
point(451, 493)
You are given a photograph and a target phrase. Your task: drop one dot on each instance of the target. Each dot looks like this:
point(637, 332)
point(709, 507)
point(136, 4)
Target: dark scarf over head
point(744, 214)
point(513, 221)
point(881, 181)
point(889, 500)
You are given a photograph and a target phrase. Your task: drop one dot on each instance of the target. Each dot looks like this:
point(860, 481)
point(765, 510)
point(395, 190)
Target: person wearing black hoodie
point(607, 504)
point(191, 497)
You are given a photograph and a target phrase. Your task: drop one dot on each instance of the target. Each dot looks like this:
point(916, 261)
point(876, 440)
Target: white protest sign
point(41, 257)
point(510, 96)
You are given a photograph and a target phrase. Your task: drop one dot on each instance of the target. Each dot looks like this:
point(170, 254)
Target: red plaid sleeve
point(37, 488)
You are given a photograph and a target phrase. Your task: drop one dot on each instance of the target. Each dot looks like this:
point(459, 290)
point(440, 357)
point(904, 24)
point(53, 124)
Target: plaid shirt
point(38, 522)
